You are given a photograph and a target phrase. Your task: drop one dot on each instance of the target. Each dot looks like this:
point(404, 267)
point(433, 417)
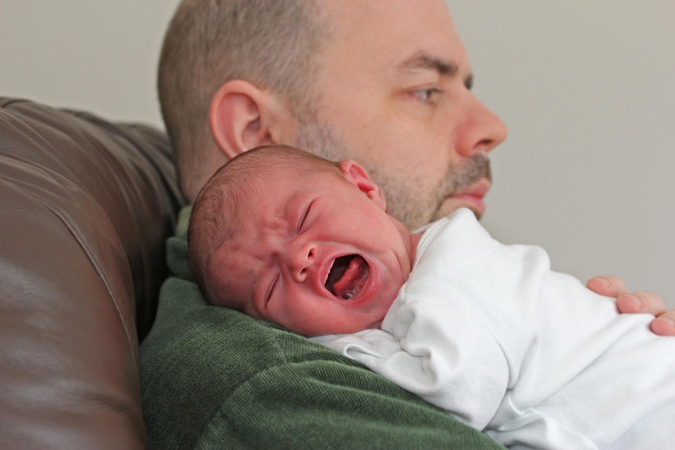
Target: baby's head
point(286, 236)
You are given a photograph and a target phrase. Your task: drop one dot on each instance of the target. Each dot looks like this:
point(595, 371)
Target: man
point(384, 82)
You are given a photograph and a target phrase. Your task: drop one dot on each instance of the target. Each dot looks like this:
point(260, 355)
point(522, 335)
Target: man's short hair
point(273, 44)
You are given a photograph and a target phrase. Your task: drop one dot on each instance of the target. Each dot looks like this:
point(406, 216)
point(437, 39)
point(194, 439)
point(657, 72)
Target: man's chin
point(450, 205)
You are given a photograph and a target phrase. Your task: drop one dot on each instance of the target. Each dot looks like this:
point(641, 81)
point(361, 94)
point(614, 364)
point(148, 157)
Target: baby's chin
point(357, 325)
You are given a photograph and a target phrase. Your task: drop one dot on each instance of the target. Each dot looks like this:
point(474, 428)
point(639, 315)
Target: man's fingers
point(636, 302)
point(641, 302)
point(664, 325)
point(607, 285)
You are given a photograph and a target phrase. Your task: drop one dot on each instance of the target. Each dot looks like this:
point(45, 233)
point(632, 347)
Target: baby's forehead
point(262, 191)
point(251, 216)
point(243, 258)
point(236, 273)
point(236, 253)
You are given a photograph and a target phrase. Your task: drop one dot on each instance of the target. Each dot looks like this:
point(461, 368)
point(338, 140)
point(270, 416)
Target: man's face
point(315, 255)
point(393, 94)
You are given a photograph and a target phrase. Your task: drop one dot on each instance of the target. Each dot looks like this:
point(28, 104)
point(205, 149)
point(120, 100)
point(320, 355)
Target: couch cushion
point(86, 208)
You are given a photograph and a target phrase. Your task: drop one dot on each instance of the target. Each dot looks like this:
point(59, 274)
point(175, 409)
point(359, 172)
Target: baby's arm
point(636, 303)
point(457, 367)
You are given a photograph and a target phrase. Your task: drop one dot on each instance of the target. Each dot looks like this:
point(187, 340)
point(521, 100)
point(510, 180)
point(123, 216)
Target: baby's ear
point(358, 176)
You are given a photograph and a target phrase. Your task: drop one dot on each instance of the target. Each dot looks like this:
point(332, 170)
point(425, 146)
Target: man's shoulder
point(206, 371)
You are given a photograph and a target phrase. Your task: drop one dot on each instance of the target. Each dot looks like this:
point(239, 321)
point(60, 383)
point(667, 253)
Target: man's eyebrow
point(446, 68)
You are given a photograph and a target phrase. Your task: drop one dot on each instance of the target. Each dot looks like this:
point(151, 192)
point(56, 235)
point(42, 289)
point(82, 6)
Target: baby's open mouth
point(348, 276)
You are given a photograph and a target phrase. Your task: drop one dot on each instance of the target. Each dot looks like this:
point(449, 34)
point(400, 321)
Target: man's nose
point(480, 130)
point(300, 260)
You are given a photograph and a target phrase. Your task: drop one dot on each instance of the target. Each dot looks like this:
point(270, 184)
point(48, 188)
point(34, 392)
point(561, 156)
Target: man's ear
point(358, 176)
point(242, 117)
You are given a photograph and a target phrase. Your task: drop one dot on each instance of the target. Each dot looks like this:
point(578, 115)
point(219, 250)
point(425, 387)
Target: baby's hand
point(636, 302)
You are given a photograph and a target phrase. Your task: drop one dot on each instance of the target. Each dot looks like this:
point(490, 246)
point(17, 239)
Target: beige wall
point(94, 55)
point(587, 89)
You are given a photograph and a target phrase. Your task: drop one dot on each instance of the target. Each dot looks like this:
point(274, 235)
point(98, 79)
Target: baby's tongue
point(353, 280)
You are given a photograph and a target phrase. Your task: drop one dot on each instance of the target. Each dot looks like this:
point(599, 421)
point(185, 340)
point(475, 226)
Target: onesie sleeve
point(459, 367)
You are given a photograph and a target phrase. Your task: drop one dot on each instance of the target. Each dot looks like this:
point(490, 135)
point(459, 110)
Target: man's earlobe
point(236, 118)
point(358, 176)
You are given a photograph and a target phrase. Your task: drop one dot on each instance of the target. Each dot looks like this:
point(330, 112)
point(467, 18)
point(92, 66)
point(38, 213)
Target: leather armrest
point(86, 206)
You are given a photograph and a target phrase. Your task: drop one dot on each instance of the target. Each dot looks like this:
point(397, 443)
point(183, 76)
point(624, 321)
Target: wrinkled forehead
point(260, 208)
point(246, 249)
point(236, 270)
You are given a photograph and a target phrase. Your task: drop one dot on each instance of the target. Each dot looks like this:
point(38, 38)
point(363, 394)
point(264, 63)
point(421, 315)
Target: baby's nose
point(301, 261)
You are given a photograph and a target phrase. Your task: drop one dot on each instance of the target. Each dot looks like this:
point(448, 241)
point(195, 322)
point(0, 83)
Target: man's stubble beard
point(407, 197)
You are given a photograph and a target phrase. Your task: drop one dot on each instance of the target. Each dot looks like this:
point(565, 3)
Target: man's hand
point(636, 302)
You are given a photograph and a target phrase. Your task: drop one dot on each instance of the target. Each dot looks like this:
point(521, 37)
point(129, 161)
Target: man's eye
point(426, 94)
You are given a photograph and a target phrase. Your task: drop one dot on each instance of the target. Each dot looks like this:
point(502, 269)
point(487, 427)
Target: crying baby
point(289, 237)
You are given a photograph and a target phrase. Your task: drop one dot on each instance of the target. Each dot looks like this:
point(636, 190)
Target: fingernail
point(669, 320)
point(636, 300)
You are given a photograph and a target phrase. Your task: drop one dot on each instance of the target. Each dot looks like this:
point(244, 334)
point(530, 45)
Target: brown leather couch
point(85, 208)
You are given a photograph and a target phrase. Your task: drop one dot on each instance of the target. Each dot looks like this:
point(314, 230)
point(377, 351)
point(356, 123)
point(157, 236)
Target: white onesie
point(489, 333)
